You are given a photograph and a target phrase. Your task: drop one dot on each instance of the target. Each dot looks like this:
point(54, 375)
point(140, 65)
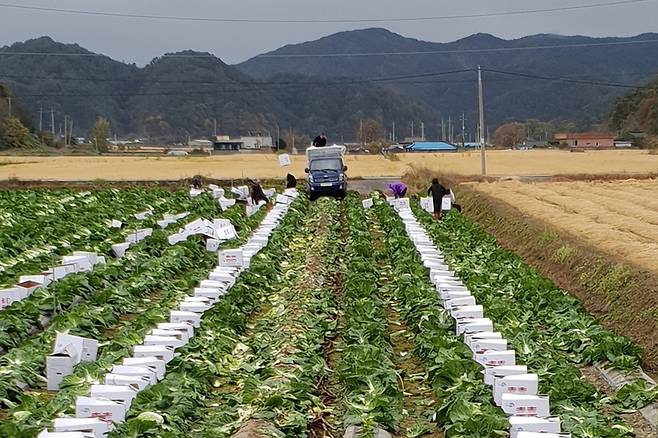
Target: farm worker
point(291, 181)
point(257, 194)
point(397, 189)
point(437, 191)
point(320, 140)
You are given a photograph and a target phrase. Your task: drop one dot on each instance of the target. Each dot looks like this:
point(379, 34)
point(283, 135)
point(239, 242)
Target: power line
point(312, 20)
point(397, 79)
point(565, 79)
point(260, 87)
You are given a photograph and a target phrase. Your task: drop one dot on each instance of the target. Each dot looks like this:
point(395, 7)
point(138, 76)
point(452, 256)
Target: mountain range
point(332, 83)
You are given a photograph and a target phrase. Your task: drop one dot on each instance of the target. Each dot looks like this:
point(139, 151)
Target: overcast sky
point(140, 40)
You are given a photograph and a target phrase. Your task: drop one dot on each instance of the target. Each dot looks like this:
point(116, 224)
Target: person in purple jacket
point(397, 189)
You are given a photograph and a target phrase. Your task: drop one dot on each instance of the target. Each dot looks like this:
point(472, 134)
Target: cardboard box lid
point(47, 434)
point(68, 424)
point(542, 435)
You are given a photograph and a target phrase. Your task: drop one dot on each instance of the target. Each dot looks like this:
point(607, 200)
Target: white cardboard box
point(163, 353)
point(224, 280)
point(188, 306)
point(102, 408)
point(496, 358)
point(46, 434)
point(534, 424)
point(467, 312)
point(143, 215)
point(284, 160)
point(453, 294)
point(94, 426)
point(140, 382)
point(183, 335)
point(182, 326)
point(473, 337)
point(121, 380)
point(523, 384)
point(491, 373)
point(152, 362)
point(526, 405)
point(82, 263)
point(474, 326)
point(116, 224)
point(12, 295)
point(151, 373)
point(118, 393)
point(480, 346)
point(231, 258)
point(367, 203)
point(79, 348)
point(59, 272)
point(119, 249)
point(43, 280)
point(542, 435)
point(459, 302)
point(212, 245)
point(91, 256)
point(225, 204)
point(212, 293)
point(178, 316)
point(57, 367)
point(167, 341)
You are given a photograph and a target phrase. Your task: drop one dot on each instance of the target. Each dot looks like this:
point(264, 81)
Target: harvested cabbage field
point(323, 319)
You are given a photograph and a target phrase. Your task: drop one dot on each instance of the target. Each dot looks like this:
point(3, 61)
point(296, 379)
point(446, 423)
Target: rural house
point(587, 140)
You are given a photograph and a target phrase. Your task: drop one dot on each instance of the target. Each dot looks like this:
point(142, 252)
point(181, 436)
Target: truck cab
point(326, 172)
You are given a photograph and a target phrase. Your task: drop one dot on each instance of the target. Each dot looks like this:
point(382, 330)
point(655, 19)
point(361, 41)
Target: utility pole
point(361, 132)
point(463, 130)
point(422, 130)
point(9, 100)
point(443, 130)
point(393, 135)
point(483, 158)
point(450, 129)
point(71, 132)
point(278, 136)
point(41, 118)
point(412, 130)
point(66, 137)
point(215, 128)
point(52, 121)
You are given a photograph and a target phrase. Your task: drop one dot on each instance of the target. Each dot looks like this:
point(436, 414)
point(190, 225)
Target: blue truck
point(326, 172)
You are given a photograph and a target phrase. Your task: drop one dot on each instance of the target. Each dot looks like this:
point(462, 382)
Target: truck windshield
point(326, 164)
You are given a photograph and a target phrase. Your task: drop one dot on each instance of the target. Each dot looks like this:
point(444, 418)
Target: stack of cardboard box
point(514, 389)
point(108, 404)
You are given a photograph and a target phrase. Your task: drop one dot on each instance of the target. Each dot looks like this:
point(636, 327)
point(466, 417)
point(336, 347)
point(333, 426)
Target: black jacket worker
point(437, 191)
point(291, 181)
point(320, 140)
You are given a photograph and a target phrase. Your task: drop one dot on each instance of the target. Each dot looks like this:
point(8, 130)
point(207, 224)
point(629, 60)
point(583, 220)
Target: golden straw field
point(618, 217)
point(500, 163)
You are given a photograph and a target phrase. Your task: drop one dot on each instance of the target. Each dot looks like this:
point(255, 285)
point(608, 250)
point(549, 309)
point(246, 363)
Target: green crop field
point(335, 321)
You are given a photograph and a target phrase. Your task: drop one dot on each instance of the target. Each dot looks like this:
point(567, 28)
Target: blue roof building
point(431, 146)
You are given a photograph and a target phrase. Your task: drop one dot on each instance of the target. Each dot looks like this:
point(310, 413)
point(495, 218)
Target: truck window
point(326, 164)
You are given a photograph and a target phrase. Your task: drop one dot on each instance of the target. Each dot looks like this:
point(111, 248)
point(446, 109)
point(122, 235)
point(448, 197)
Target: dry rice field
point(500, 163)
point(618, 217)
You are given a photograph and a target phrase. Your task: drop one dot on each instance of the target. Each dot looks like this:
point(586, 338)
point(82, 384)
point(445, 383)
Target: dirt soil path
point(271, 357)
point(419, 398)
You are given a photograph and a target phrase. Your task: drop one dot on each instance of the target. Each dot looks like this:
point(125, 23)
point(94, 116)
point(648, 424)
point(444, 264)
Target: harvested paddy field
point(263, 165)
